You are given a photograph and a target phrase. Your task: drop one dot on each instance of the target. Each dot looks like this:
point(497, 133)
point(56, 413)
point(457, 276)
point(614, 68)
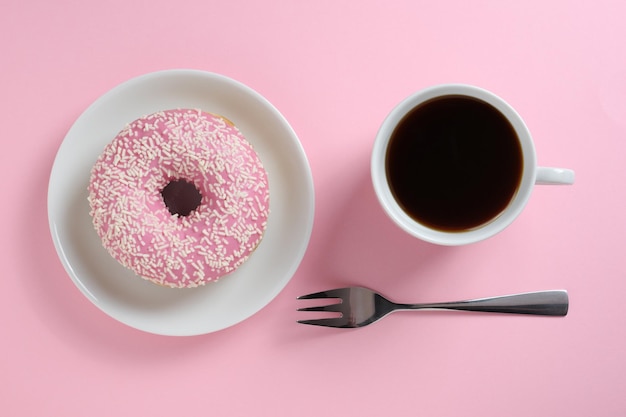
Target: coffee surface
point(454, 163)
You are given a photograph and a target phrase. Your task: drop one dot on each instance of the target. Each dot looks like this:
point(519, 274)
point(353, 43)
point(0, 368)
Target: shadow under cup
point(454, 164)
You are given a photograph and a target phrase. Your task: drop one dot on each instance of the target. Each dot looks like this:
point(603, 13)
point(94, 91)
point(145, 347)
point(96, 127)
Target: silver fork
point(360, 306)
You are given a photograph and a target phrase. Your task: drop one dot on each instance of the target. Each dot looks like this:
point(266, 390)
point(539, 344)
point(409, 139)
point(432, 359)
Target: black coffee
point(454, 163)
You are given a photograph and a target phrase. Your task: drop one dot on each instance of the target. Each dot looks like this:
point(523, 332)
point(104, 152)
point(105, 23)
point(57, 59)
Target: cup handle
point(549, 175)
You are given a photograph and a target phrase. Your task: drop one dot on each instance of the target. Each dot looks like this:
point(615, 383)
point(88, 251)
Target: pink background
point(334, 69)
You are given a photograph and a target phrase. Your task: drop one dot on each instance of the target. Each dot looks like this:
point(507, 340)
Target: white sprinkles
point(132, 220)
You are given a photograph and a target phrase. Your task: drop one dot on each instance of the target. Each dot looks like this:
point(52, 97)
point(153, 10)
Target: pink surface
point(334, 69)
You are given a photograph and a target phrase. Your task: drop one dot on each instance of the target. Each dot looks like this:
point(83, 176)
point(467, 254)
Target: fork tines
point(330, 294)
point(333, 308)
point(328, 322)
point(337, 293)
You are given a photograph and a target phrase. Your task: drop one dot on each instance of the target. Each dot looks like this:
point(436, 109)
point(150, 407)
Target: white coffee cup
point(531, 174)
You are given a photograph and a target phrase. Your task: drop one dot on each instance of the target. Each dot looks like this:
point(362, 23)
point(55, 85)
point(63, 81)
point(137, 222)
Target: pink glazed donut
point(180, 197)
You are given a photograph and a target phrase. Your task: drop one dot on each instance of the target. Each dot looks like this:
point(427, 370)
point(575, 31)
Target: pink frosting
point(136, 227)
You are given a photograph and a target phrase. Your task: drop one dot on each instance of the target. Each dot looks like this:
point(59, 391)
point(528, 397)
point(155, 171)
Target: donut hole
point(181, 197)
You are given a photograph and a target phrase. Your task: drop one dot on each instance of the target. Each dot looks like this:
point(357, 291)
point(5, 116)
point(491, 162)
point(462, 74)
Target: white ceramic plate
point(141, 304)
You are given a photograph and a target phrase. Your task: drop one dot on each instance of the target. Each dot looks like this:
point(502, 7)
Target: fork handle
point(542, 303)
